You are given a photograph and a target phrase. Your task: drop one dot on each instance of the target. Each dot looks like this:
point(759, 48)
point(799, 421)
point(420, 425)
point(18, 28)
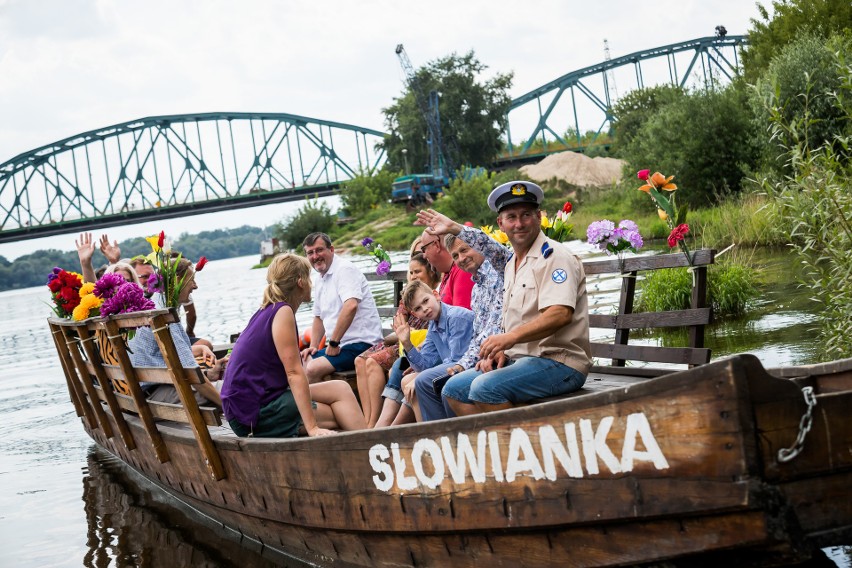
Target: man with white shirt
point(344, 311)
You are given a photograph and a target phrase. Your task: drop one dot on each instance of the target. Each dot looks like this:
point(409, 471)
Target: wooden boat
point(639, 466)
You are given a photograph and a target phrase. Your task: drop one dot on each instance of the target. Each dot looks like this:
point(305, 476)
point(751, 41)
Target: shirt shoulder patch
point(559, 275)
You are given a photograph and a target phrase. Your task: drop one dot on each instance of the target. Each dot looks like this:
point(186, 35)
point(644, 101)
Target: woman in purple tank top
point(265, 391)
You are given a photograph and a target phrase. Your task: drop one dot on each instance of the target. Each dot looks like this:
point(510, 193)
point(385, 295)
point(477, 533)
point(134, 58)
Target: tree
point(363, 192)
point(473, 114)
point(312, 217)
point(634, 109)
point(803, 79)
point(790, 19)
point(703, 138)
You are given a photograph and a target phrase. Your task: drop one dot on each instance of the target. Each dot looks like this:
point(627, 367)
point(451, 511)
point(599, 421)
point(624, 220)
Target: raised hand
point(402, 329)
point(85, 247)
point(437, 223)
point(111, 251)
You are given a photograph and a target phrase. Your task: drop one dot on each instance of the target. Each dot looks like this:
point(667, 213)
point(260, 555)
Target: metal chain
point(788, 454)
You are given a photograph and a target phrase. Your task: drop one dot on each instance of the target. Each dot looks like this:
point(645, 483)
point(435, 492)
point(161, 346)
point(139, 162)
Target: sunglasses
point(427, 245)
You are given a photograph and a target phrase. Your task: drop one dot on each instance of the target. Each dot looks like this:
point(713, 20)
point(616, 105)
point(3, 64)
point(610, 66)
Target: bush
point(467, 197)
point(703, 139)
point(815, 203)
point(801, 81)
point(313, 216)
point(732, 288)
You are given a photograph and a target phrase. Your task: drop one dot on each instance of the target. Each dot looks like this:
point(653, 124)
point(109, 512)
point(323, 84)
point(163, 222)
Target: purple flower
point(600, 232)
point(107, 285)
point(367, 242)
point(383, 268)
point(128, 297)
point(629, 225)
point(155, 283)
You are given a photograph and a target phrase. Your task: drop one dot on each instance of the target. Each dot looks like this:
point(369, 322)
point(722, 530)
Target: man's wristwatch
point(333, 343)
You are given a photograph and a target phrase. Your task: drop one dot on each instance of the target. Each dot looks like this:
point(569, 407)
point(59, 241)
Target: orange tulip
point(662, 182)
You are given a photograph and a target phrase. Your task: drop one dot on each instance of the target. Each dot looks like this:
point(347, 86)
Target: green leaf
point(681, 214)
point(663, 203)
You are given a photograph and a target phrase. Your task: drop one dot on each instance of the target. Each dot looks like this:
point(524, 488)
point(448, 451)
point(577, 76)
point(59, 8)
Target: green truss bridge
point(173, 166)
point(164, 167)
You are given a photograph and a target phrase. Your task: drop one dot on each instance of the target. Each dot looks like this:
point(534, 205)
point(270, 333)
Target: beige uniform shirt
point(539, 282)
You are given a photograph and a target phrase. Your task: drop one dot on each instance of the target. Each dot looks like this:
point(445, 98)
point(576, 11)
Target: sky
point(69, 66)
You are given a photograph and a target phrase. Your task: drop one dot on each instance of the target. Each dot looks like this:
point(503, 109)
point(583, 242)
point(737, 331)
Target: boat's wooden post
point(117, 341)
point(160, 327)
point(86, 339)
point(86, 378)
point(625, 306)
point(71, 378)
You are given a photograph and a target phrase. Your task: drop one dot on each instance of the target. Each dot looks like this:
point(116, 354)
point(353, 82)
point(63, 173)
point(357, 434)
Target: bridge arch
point(543, 115)
point(172, 166)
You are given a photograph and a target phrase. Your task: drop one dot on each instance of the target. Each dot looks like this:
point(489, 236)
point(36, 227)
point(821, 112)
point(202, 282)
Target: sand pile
point(577, 169)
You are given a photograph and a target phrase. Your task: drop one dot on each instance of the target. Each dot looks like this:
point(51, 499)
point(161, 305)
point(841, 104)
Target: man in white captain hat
point(544, 348)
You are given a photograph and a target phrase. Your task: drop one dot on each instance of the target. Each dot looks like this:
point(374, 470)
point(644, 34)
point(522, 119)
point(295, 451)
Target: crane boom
point(438, 158)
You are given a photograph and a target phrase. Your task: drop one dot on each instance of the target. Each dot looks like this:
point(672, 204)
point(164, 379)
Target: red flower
point(468, 224)
point(643, 174)
point(677, 234)
point(161, 239)
point(200, 264)
point(55, 285)
point(567, 208)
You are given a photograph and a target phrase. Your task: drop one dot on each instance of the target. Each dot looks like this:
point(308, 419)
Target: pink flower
point(643, 174)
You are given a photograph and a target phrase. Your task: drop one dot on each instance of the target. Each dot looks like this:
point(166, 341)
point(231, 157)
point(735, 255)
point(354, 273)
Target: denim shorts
point(345, 360)
point(393, 389)
point(522, 380)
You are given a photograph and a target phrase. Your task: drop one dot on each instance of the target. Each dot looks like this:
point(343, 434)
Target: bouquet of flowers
point(667, 209)
point(615, 240)
point(119, 296)
point(65, 290)
point(557, 227)
point(379, 254)
point(164, 279)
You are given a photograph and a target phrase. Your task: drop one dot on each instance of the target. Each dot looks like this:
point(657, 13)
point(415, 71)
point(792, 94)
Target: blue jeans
point(393, 389)
point(432, 406)
point(522, 380)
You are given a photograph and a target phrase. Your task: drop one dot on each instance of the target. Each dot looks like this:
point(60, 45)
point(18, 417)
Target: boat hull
point(663, 469)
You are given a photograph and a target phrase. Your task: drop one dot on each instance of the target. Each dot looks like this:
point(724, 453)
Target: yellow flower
point(545, 222)
point(86, 289)
point(500, 237)
point(662, 214)
point(80, 313)
point(153, 242)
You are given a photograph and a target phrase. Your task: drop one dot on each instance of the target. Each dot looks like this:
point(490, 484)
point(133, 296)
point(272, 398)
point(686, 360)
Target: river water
point(64, 503)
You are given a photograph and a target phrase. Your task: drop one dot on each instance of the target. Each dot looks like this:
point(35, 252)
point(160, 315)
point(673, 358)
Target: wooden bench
point(623, 320)
point(82, 348)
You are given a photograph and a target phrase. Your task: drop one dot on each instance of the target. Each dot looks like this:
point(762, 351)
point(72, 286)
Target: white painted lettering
point(496, 461)
point(594, 446)
point(431, 447)
point(637, 424)
point(522, 457)
point(568, 455)
point(458, 462)
point(406, 483)
point(378, 454)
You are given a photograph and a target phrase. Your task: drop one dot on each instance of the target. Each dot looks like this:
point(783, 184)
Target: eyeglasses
point(424, 247)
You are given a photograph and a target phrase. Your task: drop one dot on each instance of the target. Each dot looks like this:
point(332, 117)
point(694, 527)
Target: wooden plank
point(129, 375)
point(699, 300)
point(682, 355)
point(701, 257)
point(160, 327)
point(673, 318)
point(73, 348)
point(81, 405)
point(94, 366)
point(159, 375)
point(166, 411)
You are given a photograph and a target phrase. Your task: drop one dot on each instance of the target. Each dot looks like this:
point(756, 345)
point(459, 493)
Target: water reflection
point(127, 526)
